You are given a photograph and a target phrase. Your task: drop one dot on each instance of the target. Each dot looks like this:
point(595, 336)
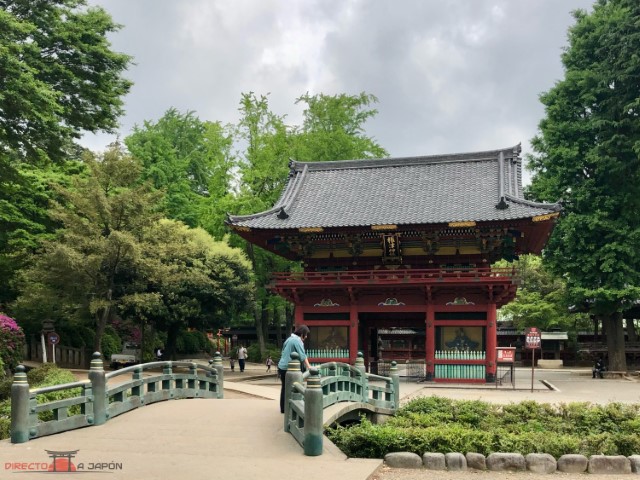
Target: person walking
point(269, 363)
point(295, 343)
point(242, 356)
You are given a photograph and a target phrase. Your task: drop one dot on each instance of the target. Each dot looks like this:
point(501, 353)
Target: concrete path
point(241, 437)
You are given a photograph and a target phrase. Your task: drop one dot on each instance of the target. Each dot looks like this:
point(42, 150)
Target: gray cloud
point(451, 76)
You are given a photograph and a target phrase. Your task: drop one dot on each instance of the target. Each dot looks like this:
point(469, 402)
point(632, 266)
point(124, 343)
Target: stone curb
point(541, 463)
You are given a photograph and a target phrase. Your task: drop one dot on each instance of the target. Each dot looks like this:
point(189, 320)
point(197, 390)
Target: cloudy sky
point(450, 75)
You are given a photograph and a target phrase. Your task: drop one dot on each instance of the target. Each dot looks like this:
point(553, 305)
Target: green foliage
point(48, 375)
point(587, 155)
point(46, 104)
point(254, 354)
point(192, 342)
point(111, 343)
point(434, 424)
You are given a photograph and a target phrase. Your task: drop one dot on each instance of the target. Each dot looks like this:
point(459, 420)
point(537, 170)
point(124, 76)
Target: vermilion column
point(492, 342)
point(298, 317)
point(353, 333)
point(430, 341)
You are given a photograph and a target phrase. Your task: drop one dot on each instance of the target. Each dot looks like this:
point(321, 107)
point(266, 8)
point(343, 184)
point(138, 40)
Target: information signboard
point(506, 354)
point(532, 338)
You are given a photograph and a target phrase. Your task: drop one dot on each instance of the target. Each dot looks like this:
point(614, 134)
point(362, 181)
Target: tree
point(542, 299)
point(190, 160)
point(59, 77)
point(91, 263)
point(588, 154)
point(189, 280)
point(333, 128)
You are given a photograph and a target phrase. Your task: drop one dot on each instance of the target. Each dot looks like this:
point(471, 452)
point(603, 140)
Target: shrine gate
point(396, 255)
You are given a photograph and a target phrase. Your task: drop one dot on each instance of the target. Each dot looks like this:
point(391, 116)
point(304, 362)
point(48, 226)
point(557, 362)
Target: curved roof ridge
point(555, 206)
point(509, 152)
point(299, 180)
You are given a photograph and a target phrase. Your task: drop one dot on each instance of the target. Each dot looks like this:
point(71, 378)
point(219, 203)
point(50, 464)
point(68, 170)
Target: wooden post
point(20, 406)
point(430, 343)
point(293, 375)
point(313, 421)
point(491, 343)
point(353, 332)
point(98, 389)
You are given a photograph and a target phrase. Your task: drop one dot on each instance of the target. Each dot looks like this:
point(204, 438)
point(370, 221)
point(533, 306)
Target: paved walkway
point(241, 437)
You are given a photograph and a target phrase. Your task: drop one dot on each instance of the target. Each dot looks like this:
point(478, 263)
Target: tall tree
point(588, 154)
point(92, 261)
point(190, 160)
point(59, 76)
point(333, 128)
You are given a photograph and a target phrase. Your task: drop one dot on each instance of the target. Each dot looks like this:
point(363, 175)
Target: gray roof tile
point(401, 191)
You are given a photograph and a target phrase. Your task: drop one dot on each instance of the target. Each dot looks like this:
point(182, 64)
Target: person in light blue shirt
point(295, 343)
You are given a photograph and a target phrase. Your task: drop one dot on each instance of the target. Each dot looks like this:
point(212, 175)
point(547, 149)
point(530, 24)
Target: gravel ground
point(386, 473)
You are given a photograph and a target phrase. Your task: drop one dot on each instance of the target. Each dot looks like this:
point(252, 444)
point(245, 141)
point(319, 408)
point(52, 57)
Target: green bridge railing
point(97, 401)
point(326, 385)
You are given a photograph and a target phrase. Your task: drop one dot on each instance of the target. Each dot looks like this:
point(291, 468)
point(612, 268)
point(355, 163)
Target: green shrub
point(253, 352)
point(191, 342)
point(442, 425)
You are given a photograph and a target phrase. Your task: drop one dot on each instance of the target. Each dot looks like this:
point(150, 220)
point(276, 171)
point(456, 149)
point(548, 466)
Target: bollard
point(313, 421)
point(395, 379)
point(292, 376)
point(98, 389)
point(359, 364)
point(20, 406)
point(217, 364)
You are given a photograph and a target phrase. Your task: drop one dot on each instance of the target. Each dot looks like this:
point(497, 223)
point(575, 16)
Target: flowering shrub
point(11, 342)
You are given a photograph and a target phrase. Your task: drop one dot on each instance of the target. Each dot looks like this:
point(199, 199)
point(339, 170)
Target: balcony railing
point(407, 276)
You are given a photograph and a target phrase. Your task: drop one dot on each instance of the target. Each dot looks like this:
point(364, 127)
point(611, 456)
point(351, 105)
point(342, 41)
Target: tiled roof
point(478, 186)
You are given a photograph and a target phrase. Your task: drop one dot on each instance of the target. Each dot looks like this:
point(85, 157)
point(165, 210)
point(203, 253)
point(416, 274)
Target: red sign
point(53, 338)
point(532, 338)
point(506, 354)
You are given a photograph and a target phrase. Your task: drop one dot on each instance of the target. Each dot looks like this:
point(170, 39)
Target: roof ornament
point(282, 214)
point(502, 204)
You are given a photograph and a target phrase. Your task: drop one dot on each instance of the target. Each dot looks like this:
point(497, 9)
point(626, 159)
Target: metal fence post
point(293, 375)
point(313, 418)
point(217, 364)
point(20, 406)
point(98, 389)
point(395, 379)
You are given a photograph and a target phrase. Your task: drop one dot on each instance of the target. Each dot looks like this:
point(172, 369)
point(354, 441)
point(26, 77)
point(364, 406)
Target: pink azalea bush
point(11, 342)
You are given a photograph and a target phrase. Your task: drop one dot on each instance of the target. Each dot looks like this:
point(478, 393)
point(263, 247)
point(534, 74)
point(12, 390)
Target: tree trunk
point(257, 316)
point(615, 343)
point(632, 335)
point(290, 320)
point(169, 351)
point(594, 318)
point(101, 323)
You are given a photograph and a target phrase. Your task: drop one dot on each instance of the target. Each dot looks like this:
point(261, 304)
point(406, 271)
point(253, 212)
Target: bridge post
point(217, 364)
point(20, 406)
point(359, 364)
point(98, 389)
point(313, 421)
point(292, 376)
point(395, 380)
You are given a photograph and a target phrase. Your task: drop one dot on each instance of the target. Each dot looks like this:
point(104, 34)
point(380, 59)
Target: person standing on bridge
point(295, 343)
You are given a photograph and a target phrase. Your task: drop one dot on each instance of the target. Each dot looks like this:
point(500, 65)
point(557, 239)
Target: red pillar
point(492, 342)
point(298, 318)
point(430, 342)
point(353, 333)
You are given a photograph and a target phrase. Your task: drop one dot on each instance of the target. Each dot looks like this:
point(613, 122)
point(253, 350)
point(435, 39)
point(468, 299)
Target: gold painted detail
point(384, 227)
point(326, 302)
point(544, 218)
point(311, 229)
point(391, 302)
point(460, 301)
point(461, 224)
point(241, 229)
